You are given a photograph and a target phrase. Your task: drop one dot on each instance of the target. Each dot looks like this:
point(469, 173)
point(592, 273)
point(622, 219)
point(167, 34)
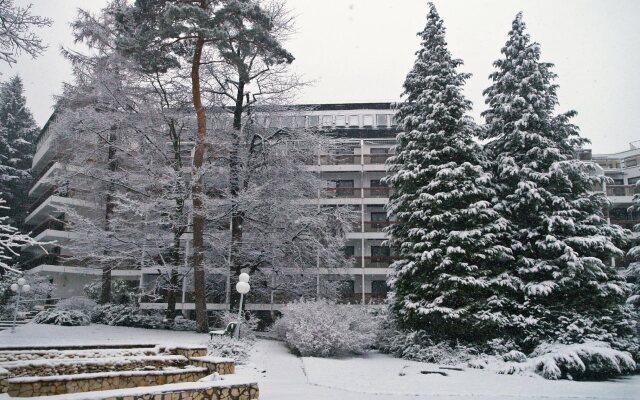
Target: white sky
point(361, 50)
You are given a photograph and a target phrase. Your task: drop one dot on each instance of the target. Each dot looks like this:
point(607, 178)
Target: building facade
point(362, 137)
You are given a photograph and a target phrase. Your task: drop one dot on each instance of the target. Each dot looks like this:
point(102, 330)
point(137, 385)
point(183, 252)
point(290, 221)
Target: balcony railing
point(376, 226)
point(51, 223)
point(48, 259)
point(622, 190)
point(376, 158)
point(44, 196)
point(351, 192)
point(43, 171)
point(348, 159)
point(373, 261)
point(356, 298)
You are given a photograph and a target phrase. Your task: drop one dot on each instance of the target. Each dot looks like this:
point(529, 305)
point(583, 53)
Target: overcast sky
point(361, 50)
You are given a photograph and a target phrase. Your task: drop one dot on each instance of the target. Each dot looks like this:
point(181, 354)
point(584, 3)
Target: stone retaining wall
point(187, 351)
point(223, 366)
point(63, 384)
point(231, 392)
point(87, 365)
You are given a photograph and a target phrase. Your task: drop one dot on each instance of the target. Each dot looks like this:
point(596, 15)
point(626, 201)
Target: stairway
point(24, 319)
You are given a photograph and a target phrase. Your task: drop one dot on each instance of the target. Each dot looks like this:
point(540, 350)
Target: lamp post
point(242, 287)
point(20, 287)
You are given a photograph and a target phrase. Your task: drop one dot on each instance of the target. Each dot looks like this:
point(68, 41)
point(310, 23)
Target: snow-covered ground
point(282, 376)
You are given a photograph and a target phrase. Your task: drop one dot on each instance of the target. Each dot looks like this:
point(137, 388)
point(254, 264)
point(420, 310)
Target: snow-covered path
point(283, 376)
point(377, 377)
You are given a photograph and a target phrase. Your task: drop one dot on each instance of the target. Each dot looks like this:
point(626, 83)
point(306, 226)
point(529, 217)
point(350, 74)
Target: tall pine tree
point(562, 244)
point(451, 278)
point(18, 132)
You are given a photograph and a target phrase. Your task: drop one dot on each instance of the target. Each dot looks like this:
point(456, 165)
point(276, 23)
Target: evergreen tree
point(18, 132)
point(450, 279)
point(561, 242)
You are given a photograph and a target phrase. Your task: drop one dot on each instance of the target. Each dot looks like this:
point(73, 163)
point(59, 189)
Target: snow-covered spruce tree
point(451, 279)
point(562, 244)
point(18, 132)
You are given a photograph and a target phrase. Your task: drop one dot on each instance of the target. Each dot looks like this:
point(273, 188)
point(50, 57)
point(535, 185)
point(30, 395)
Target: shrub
point(224, 346)
point(62, 317)
point(78, 303)
point(126, 315)
point(324, 329)
point(182, 324)
point(583, 361)
point(419, 346)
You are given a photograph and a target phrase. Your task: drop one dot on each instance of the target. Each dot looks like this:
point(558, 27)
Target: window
point(634, 180)
point(378, 155)
point(380, 251)
point(340, 120)
point(300, 121)
point(344, 188)
point(349, 251)
point(394, 120)
point(379, 216)
point(327, 120)
point(314, 120)
point(379, 287)
point(381, 120)
point(354, 121)
point(367, 120)
point(632, 162)
point(378, 221)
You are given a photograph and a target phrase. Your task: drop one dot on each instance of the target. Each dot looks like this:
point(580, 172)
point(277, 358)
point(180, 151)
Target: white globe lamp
point(19, 287)
point(244, 277)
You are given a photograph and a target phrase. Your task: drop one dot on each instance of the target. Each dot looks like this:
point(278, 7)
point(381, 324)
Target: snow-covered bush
point(418, 346)
point(121, 291)
point(62, 317)
point(236, 349)
point(180, 323)
point(127, 315)
point(78, 303)
point(325, 329)
point(584, 361)
point(40, 289)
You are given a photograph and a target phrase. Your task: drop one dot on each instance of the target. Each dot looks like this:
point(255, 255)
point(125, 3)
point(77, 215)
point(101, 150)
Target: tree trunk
point(237, 216)
point(112, 165)
point(172, 295)
point(202, 324)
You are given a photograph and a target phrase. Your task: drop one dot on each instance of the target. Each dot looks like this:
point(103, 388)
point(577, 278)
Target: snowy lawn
point(283, 376)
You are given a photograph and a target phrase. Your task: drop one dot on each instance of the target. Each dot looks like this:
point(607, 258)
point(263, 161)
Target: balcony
point(356, 298)
point(44, 196)
point(376, 226)
point(348, 159)
point(622, 190)
point(354, 192)
point(373, 261)
point(48, 259)
point(51, 223)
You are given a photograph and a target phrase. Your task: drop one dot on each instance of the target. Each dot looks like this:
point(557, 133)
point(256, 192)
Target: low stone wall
point(223, 366)
point(187, 351)
point(216, 390)
point(22, 355)
point(63, 384)
point(87, 365)
point(79, 347)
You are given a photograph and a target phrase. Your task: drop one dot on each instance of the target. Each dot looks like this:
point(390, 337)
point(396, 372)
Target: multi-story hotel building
point(362, 137)
point(362, 134)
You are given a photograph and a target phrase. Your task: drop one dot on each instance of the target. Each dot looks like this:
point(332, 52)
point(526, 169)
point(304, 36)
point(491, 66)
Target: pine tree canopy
point(562, 244)
point(450, 277)
point(18, 132)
